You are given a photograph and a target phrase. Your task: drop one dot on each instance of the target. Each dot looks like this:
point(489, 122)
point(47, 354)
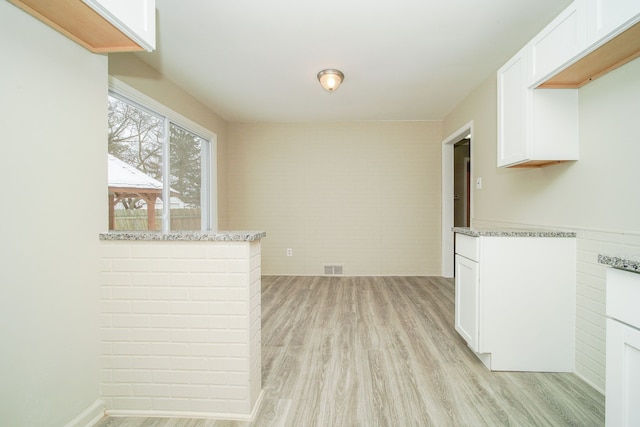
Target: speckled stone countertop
point(510, 232)
point(629, 264)
point(219, 236)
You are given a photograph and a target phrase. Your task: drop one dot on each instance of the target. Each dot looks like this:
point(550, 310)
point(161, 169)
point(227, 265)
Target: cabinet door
point(604, 17)
point(559, 42)
point(513, 89)
point(467, 300)
point(623, 375)
point(136, 19)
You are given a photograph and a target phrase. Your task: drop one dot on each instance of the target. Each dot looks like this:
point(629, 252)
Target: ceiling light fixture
point(330, 79)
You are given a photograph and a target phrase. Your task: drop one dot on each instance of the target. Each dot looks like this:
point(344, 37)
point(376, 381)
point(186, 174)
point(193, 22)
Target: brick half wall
point(180, 328)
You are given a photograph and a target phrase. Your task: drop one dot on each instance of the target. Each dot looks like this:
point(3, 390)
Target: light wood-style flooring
point(383, 351)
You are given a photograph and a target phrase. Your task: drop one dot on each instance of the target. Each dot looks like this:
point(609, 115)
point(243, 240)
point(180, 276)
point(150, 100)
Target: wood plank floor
point(383, 351)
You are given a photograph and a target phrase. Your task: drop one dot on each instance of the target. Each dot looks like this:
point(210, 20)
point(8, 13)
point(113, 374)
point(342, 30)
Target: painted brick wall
point(180, 324)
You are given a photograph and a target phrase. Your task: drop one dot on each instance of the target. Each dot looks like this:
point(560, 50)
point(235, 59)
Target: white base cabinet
point(623, 349)
point(515, 301)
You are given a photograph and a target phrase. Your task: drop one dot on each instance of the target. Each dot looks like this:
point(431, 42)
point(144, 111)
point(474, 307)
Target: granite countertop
point(623, 263)
point(218, 236)
point(510, 232)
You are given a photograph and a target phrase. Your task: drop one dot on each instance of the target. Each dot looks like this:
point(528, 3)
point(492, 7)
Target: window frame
point(208, 189)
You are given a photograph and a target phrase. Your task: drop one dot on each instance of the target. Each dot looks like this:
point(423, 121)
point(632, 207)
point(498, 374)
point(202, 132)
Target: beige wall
point(54, 174)
point(131, 70)
point(593, 196)
point(364, 195)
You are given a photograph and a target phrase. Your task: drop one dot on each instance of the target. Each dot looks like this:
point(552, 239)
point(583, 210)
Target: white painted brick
point(131, 348)
point(172, 404)
point(106, 265)
point(237, 350)
point(190, 363)
point(116, 362)
point(112, 306)
point(229, 322)
point(115, 390)
point(208, 294)
point(208, 378)
point(171, 377)
point(239, 407)
point(130, 320)
point(190, 279)
point(229, 392)
point(228, 364)
point(171, 349)
point(191, 336)
point(207, 350)
point(152, 390)
point(238, 266)
point(200, 322)
point(169, 265)
point(115, 334)
point(231, 307)
point(130, 376)
point(106, 348)
point(208, 266)
point(193, 251)
point(169, 293)
point(151, 362)
point(105, 375)
point(150, 335)
point(130, 292)
point(190, 307)
point(130, 265)
point(131, 403)
point(150, 279)
point(169, 321)
point(150, 307)
point(209, 405)
point(238, 378)
point(228, 251)
point(116, 279)
point(150, 250)
point(229, 336)
point(180, 390)
point(105, 320)
point(115, 250)
point(229, 280)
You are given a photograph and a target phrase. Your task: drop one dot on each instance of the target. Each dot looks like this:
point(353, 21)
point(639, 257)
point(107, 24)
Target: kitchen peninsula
point(181, 323)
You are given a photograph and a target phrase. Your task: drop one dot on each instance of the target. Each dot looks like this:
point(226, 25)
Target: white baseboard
point(89, 416)
point(187, 414)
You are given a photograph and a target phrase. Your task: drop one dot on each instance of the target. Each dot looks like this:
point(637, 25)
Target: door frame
point(447, 194)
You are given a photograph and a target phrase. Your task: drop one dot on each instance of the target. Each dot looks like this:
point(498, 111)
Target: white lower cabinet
point(623, 349)
point(515, 301)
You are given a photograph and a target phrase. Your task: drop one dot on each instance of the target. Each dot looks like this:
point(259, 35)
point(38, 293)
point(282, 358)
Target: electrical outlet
point(289, 252)
point(479, 183)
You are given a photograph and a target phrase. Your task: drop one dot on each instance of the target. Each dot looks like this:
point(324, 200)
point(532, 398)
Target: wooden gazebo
point(127, 181)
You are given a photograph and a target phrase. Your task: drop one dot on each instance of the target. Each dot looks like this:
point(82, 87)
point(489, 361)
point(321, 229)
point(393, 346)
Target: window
point(156, 156)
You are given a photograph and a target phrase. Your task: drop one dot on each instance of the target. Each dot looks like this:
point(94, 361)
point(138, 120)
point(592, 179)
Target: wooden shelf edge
point(538, 163)
point(621, 49)
point(78, 22)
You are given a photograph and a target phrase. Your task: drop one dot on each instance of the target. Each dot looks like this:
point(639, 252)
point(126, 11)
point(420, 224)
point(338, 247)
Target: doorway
point(448, 184)
point(462, 183)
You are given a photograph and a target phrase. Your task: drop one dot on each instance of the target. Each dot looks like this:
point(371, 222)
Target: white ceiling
point(402, 59)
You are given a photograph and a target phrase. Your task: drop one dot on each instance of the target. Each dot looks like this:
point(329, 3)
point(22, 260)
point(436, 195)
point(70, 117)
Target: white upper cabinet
point(535, 127)
point(512, 109)
point(135, 18)
point(559, 42)
point(605, 17)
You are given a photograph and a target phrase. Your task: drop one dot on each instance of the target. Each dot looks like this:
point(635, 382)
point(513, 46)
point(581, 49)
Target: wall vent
point(333, 269)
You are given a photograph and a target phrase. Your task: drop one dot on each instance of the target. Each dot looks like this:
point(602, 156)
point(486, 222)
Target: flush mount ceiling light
point(330, 79)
